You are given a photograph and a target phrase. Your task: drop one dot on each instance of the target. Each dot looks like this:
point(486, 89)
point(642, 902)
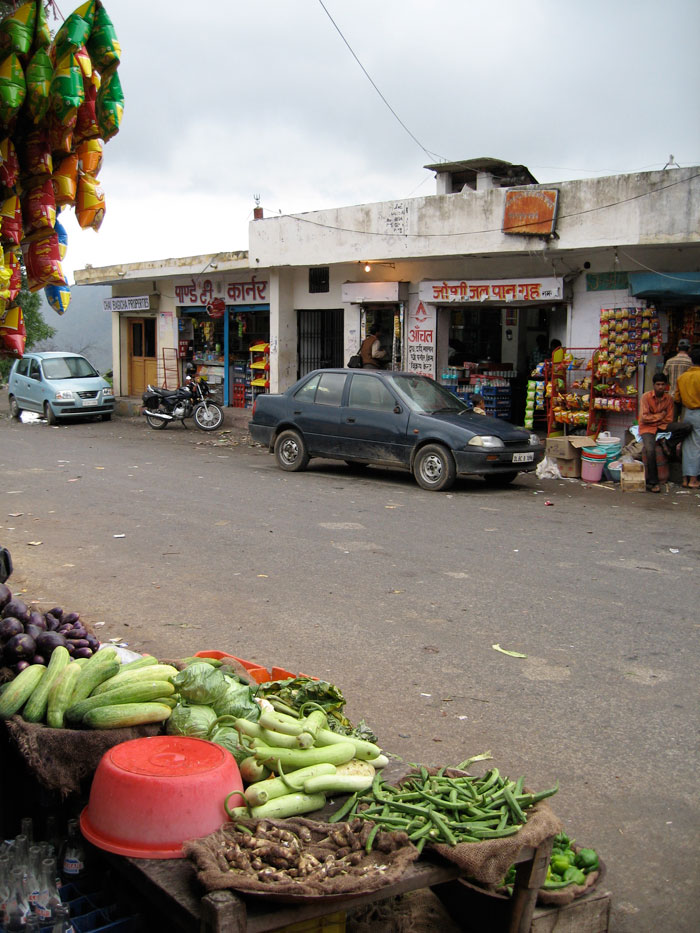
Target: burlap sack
point(385, 864)
point(61, 759)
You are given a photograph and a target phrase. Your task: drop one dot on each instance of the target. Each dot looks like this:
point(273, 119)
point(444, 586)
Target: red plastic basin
point(149, 795)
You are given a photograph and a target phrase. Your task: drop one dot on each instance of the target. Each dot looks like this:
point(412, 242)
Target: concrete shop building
point(479, 269)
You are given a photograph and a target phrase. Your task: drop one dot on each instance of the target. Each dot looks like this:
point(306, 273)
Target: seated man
point(657, 416)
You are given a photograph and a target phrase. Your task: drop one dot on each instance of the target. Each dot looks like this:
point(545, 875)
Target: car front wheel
point(290, 451)
point(49, 414)
point(434, 468)
point(15, 410)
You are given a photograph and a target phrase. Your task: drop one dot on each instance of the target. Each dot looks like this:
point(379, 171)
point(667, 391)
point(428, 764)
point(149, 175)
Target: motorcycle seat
point(163, 393)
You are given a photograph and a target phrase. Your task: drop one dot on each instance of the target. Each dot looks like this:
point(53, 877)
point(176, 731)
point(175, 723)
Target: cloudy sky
point(227, 99)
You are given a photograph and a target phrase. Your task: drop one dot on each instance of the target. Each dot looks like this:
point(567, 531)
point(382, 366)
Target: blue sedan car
point(390, 419)
point(58, 386)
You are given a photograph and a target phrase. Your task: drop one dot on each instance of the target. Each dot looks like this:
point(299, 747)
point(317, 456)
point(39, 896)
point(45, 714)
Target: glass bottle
point(49, 898)
point(17, 906)
point(33, 924)
point(74, 853)
point(62, 922)
point(20, 853)
point(27, 828)
point(32, 881)
point(4, 883)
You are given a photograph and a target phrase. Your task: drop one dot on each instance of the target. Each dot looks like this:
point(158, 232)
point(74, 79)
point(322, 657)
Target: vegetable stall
point(233, 798)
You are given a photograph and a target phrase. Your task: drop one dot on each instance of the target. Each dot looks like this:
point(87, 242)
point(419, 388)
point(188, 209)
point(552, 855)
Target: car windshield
point(425, 395)
point(68, 367)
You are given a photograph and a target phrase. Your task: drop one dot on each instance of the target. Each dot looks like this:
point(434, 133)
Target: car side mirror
point(397, 409)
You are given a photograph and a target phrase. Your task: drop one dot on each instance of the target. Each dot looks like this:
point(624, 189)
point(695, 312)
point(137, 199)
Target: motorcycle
point(161, 406)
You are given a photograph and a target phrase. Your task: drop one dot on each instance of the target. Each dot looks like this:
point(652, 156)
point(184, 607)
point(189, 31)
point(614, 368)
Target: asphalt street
point(175, 541)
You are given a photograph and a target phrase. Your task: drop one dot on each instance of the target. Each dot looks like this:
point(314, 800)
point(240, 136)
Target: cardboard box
point(570, 468)
point(567, 448)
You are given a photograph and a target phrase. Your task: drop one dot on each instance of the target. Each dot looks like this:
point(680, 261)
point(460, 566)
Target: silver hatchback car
point(58, 385)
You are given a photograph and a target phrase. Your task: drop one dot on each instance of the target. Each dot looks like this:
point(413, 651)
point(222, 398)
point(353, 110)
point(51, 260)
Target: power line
point(433, 155)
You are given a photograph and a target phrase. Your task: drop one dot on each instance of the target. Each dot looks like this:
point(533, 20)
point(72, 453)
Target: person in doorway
point(678, 364)
point(556, 351)
point(478, 405)
point(539, 353)
point(371, 350)
point(687, 394)
point(657, 416)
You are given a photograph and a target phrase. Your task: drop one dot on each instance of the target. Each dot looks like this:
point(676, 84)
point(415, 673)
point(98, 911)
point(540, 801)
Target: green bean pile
point(442, 809)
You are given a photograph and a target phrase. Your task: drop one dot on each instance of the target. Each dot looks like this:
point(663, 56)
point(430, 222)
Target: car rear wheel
point(434, 468)
point(15, 410)
point(290, 451)
point(49, 414)
point(500, 479)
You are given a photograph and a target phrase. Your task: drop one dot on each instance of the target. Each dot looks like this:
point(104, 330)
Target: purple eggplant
point(83, 653)
point(33, 630)
point(70, 618)
point(20, 666)
point(17, 608)
point(57, 612)
point(5, 595)
point(52, 622)
point(10, 626)
point(39, 659)
point(36, 618)
point(47, 641)
point(78, 631)
point(93, 641)
point(19, 648)
point(80, 643)
point(64, 627)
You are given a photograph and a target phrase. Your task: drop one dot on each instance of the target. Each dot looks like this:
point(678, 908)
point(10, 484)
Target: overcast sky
point(226, 99)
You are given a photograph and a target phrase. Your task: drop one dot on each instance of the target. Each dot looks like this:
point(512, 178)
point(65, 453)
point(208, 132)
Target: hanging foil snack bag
point(58, 296)
point(38, 209)
point(65, 181)
point(90, 203)
point(103, 45)
point(76, 29)
point(13, 87)
point(17, 30)
point(43, 262)
point(39, 76)
point(110, 105)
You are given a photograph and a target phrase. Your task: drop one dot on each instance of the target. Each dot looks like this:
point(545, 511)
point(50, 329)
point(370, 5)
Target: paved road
point(178, 541)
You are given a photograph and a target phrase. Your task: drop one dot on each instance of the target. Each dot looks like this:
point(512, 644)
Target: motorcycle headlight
point(65, 395)
point(485, 440)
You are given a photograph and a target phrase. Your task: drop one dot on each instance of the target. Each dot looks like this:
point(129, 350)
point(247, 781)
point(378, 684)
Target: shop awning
point(675, 287)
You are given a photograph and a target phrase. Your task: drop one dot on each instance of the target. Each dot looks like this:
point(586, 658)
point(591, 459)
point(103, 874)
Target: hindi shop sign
point(501, 290)
point(203, 292)
point(136, 303)
point(420, 340)
point(531, 213)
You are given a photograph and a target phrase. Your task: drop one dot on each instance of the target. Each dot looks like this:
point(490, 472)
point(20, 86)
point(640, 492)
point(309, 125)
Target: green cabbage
point(200, 683)
point(194, 721)
point(237, 700)
point(228, 738)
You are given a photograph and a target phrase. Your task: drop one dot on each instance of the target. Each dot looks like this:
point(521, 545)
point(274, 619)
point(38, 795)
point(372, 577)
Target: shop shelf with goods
point(535, 400)
point(627, 337)
point(568, 393)
point(259, 370)
point(207, 353)
point(493, 383)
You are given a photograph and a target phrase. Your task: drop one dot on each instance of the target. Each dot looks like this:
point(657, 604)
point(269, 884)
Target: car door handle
point(297, 412)
point(351, 421)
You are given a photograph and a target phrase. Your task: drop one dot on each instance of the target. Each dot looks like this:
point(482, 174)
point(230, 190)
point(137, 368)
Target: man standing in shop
point(677, 364)
point(371, 350)
point(688, 395)
point(657, 415)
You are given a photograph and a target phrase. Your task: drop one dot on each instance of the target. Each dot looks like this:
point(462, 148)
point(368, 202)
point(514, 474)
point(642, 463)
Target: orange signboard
point(531, 213)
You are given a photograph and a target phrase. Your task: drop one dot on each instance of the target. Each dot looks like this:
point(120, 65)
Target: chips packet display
point(17, 30)
point(67, 92)
point(42, 261)
point(62, 238)
point(65, 180)
point(13, 87)
point(9, 163)
point(38, 77)
point(110, 104)
point(13, 263)
point(86, 123)
point(11, 220)
point(90, 202)
point(103, 45)
point(76, 28)
point(35, 159)
point(38, 209)
point(58, 296)
point(89, 154)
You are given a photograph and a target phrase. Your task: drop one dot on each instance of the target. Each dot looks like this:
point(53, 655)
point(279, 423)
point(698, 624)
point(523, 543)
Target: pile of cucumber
point(97, 692)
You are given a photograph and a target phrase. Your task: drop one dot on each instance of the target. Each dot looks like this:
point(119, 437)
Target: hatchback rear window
point(68, 367)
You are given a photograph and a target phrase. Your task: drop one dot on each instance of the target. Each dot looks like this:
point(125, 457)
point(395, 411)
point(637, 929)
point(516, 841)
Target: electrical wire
point(590, 210)
point(675, 278)
point(432, 155)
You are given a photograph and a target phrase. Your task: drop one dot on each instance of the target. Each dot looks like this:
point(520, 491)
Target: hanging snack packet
point(17, 30)
point(13, 87)
point(43, 263)
point(5, 277)
point(11, 220)
point(89, 154)
point(110, 105)
point(62, 238)
point(75, 30)
point(38, 210)
point(39, 75)
point(61, 134)
point(13, 333)
point(67, 92)
point(35, 155)
point(90, 203)
point(13, 263)
point(86, 123)
point(9, 163)
point(58, 296)
point(103, 45)
point(65, 181)
point(42, 35)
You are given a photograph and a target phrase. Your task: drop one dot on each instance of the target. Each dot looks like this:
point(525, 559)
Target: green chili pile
point(442, 809)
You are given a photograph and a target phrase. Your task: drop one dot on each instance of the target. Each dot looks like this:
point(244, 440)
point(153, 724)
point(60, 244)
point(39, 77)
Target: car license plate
point(92, 403)
point(524, 458)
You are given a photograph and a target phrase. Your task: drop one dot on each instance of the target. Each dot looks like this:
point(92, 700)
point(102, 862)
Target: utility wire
point(432, 155)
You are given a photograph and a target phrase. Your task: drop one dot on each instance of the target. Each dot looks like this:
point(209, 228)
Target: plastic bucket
point(592, 470)
point(594, 453)
point(605, 439)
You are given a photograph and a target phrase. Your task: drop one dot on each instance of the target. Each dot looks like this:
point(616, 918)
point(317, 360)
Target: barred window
point(319, 279)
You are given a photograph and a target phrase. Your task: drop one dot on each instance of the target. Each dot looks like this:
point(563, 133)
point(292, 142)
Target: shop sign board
point(205, 291)
point(501, 290)
point(360, 292)
point(531, 213)
point(420, 340)
point(134, 303)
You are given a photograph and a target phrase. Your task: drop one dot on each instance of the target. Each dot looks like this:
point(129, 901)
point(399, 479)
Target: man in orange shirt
point(657, 415)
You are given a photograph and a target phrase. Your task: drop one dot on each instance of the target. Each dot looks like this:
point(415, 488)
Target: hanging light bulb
point(368, 268)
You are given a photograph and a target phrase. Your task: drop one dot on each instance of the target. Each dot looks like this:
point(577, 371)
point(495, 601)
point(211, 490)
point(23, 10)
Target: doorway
point(319, 339)
point(143, 365)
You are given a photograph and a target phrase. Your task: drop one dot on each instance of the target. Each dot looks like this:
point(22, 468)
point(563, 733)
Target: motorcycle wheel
point(208, 416)
point(158, 424)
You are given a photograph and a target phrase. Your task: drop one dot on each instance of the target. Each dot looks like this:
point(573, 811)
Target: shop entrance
point(319, 339)
point(387, 318)
point(143, 365)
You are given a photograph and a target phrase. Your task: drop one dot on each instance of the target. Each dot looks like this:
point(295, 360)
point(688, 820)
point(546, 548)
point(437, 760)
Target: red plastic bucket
point(151, 794)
